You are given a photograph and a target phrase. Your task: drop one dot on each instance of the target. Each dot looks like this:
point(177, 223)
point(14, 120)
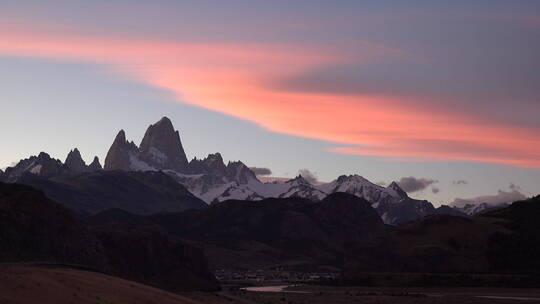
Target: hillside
point(289, 232)
point(29, 284)
point(505, 241)
point(137, 192)
point(34, 228)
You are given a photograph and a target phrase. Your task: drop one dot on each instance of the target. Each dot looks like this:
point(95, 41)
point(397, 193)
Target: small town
point(276, 276)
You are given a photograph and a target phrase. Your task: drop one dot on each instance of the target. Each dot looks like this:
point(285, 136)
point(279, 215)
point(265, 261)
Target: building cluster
point(273, 276)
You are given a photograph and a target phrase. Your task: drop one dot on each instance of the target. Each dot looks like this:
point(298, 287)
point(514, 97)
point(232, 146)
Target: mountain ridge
point(213, 181)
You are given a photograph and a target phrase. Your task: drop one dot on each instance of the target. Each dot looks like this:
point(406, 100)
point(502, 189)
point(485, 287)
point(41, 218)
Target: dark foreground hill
point(47, 284)
point(502, 242)
point(34, 228)
point(137, 192)
point(290, 232)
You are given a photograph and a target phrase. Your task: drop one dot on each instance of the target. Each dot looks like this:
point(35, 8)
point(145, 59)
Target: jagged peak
point(164, 123)
point(300, 180)
point(395, 186)
point(356, 177)
point(74, 153)
point(216, 154)
point(161, 146)
point(214, 157)
point(43, 155)
point(95, 164)
point(164, 120)
point(120, 137)
point(236, 163)
point(74, 161)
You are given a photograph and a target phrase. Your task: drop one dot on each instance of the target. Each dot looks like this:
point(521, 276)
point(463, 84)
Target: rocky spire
point(74, 162)
point(161, 146)
point(394, 186)
point(118, 157)
point(239, 172)
point(95, 165)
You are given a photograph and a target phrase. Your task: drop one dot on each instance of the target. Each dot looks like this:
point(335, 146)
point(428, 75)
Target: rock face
point(162, 148)
point(395, 187)
point(121, 153)
point(76, 165)
point(74, 162)
point(2, 175)
point(34, 228)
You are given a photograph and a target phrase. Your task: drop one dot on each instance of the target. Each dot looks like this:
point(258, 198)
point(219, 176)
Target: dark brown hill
point(291, 232)
point(48, 284)
point(505, 241)
point(34, 228)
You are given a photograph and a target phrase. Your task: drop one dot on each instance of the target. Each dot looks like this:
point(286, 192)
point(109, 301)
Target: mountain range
point(161, 154)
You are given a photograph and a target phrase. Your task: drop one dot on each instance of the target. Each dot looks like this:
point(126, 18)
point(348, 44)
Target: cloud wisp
point(235, 78)
point(259, 171)
point(310, 176)
point(514, 193)
point(414, 184)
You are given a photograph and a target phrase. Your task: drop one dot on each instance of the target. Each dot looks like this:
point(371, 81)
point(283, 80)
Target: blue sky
point(470, 65)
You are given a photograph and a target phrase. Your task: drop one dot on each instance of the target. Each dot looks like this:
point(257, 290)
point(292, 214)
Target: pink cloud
point(231, 78)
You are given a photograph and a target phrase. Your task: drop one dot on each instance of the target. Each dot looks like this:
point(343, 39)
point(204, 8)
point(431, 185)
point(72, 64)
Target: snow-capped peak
point(395, 187)
point(299, 180)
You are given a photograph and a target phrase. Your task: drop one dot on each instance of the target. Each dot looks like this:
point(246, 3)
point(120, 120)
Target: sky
point(444, 94)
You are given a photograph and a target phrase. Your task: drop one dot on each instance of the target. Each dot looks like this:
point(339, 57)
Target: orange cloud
point(231, 78)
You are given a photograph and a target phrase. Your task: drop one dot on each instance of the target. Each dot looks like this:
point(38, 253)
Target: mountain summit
point(120, 153)
point(162, 147)
point(74, 161)
point(394, 186)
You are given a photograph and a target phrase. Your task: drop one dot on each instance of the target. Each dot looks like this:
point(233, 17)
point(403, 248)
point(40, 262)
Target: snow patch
point(36, 169)
point(136, 164)
point(157, 155)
